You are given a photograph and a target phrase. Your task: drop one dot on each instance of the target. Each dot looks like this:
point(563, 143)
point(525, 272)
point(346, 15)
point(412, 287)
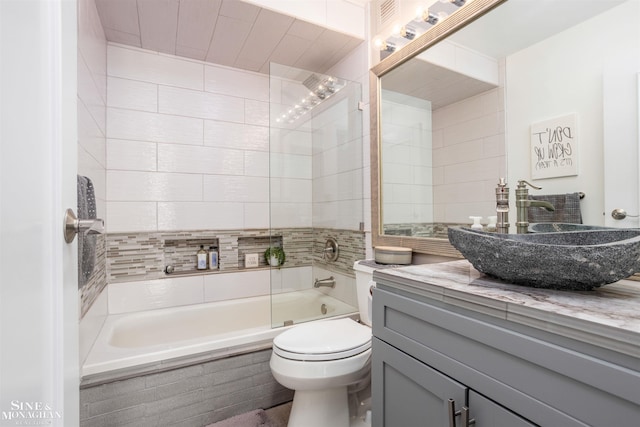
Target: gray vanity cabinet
point(414, 394)
point(426, 352)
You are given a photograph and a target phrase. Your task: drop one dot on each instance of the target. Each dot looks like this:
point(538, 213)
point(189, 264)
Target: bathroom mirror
point(439, 118)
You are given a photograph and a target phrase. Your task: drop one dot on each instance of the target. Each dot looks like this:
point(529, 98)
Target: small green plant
point(275, 252)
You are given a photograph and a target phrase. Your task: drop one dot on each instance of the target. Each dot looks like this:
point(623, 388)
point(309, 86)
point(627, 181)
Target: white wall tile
point(153, 186)
point(256, 215)
point(203, 105)
point(131, 216)
point(132, 94)
point(256, 112)
point(295, 279)
point(225, 188)
point(200, 215)
point(236, 82)
point(256, 163)
point(145, 126)
point(290, 190)
point(151, 294)
point(137, 64)
point(90, 137)
point(220, 287)
point(236, 135)
point(90, 95)
point(192, 159)
point(291, 215)
point(290, 166)
point(92, 45)
point(91, 324)
point(131, 155)
point(291, 141)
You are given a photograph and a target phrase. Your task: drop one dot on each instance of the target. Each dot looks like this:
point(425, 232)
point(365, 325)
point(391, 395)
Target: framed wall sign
point(554, 147)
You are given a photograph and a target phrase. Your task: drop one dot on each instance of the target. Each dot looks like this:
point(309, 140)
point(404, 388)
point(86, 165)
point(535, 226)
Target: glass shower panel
point(316, 190)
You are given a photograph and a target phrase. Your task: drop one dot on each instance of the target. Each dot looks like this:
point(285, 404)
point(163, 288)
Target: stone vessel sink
point(554, 227)
point(571, 260)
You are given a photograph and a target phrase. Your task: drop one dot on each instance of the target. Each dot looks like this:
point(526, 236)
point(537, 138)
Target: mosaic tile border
point(98, 279)
point(144, 256)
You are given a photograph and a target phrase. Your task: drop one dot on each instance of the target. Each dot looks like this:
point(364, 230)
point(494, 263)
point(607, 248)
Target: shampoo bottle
point(213, 258)
point(202, 259)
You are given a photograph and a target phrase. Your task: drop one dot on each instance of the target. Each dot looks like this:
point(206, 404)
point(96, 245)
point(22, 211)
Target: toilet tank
point(364, 282)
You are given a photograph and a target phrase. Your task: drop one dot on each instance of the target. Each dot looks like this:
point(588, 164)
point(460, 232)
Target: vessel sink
point(571, 260)
point(554, 227)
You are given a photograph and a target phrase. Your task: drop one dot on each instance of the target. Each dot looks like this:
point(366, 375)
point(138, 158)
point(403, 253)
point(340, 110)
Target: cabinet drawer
point(546, 383)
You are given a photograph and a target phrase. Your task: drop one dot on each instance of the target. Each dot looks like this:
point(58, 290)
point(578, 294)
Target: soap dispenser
point(476, 222)
point(201, 256)
point(502, 207)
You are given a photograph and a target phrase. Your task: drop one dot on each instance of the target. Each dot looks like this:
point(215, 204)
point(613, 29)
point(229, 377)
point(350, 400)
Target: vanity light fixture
point(458, 3)
point(408, 32)
point(430, 18)
point(424, 19)
point(388, 46)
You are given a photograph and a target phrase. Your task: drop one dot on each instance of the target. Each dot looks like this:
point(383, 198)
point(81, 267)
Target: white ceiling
point(225, 32)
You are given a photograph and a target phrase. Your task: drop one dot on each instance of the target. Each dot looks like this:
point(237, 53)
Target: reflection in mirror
point(530, 62)
point(442, 140)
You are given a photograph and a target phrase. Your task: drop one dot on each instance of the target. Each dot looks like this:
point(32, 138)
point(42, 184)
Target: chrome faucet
point(329, 282)
point(523, 204)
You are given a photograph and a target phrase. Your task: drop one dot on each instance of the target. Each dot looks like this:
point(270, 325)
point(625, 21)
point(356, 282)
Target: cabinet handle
point(452, 412)
point(466, 421)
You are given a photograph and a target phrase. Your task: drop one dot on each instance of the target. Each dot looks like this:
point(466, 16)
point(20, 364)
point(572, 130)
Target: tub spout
point(329, 282)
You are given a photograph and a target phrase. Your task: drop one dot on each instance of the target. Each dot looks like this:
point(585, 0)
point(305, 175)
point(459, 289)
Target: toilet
point(326, 362)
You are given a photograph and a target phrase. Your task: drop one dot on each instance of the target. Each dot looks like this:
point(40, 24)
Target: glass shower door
point(316, 192)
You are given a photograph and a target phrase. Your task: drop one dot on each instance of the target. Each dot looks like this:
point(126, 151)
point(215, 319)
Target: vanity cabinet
point(427, 352)
point(414, 394)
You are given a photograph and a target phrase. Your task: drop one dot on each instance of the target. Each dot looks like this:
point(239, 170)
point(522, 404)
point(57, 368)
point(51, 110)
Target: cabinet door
point(487, 413)
point(408, 393)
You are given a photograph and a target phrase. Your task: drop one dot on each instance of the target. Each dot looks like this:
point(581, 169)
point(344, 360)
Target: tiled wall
point(187, 144)
point(187, 154)
point(468, 156)
point(189, 396)
point(406, 159)
point(92, 98)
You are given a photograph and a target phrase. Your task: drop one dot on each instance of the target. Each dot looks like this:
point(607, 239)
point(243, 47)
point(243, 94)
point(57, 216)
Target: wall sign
point(554, 147)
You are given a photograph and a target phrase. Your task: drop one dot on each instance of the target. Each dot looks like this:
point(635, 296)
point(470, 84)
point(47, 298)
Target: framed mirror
point(452, 112)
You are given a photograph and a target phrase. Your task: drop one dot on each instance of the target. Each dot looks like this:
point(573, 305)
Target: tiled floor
point(279, 415)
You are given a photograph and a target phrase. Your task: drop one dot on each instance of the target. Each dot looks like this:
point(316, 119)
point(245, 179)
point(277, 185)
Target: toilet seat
point(323, 341)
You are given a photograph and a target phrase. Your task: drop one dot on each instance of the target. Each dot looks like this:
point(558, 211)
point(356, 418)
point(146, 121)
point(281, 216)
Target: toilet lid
point(327, 340)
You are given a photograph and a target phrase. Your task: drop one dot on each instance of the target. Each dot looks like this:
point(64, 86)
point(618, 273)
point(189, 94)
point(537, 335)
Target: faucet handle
point(522, 182)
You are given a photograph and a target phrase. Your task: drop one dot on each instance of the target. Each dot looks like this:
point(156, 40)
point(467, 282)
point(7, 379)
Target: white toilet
point(324, 361)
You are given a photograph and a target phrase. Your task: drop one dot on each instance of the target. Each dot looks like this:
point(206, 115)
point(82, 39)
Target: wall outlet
point(250, 260)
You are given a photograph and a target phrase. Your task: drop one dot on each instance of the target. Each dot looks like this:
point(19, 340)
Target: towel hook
point(72, 226)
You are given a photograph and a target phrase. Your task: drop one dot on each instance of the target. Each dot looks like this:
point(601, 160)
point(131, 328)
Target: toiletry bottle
point(491, 226)
point(213, 258)
point(202, 259)
point(476, 222)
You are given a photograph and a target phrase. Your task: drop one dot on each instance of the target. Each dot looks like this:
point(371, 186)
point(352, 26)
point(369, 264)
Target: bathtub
point(138, 342)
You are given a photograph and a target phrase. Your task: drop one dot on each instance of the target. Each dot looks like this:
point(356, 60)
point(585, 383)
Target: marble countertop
point(608, 316)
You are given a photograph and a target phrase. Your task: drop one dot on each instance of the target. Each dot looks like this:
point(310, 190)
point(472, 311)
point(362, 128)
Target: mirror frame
point(456, 21)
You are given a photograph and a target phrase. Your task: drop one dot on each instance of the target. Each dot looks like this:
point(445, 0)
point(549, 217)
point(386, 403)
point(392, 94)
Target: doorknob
point(72, 226)
point(621, 214)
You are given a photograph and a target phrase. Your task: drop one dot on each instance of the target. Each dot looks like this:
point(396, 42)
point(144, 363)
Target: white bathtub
point(157, 337)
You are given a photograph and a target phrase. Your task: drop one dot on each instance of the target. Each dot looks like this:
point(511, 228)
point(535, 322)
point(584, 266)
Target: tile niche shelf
point(256, 245)
point(181, 253)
